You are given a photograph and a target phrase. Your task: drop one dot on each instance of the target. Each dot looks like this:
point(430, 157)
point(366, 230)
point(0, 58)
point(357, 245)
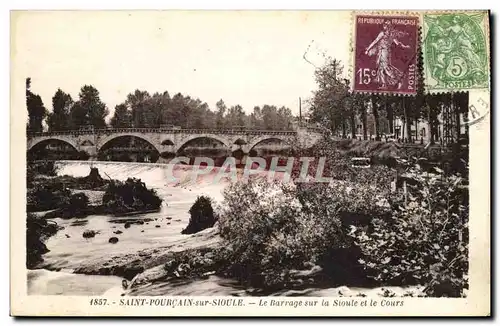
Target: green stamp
point(456, 51)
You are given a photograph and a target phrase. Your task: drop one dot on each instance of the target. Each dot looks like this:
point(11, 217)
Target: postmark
point(478, 109)
point(455, 50)
point(385, 54)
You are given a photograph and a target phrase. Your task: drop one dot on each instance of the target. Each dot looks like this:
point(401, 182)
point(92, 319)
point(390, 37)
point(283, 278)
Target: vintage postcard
point(250, 163)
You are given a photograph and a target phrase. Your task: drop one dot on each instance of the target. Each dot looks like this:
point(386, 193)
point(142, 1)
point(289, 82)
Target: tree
point(89, 110)
point(207, 116)
point(255, 119)
point(389, 109)
point(135, 101)
point(59, 119)
point(235, 116)
point(434, 104)
point(329, 102)
point(36, 109)
point(179, 110)
point(122, 118)
point(407, 118)
point(350, 103)
point(359, 107)
point(376, 102)
point(285, 118)
point(152, 111)
point(165, 102)
point(220, 114)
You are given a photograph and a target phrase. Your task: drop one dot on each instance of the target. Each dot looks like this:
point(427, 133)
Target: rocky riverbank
point(68, 196)
point(128, 265)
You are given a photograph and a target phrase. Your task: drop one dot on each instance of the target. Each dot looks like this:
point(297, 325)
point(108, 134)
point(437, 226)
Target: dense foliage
point(36, 110)
point(46, 192)
point(55, 195)
point(46, 196)
point(338, 164)
point(202, 216)
point(356, 232)
point(425, 241)
point(78, 202)
point(271, 230)
point(347, 113)
point(129, 196)
point(44, 168)
point(141, 109)
point(38, 229)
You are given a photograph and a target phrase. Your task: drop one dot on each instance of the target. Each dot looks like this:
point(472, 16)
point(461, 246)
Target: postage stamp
point(456, 54)
point(385, 54)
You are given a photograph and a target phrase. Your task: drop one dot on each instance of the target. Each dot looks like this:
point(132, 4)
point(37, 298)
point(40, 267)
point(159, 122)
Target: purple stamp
point(385, 54)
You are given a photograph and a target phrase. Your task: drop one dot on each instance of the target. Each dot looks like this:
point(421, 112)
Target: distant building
point(420, 130)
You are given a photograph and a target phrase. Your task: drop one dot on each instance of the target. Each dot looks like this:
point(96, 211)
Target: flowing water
point(69, 250)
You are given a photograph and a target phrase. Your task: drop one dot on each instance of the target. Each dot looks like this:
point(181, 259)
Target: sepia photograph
point(186, 158)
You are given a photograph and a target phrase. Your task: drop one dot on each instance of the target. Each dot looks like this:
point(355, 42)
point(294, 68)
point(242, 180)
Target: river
point(69, 250)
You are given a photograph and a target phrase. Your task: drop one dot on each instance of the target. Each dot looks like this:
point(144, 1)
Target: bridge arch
point(34, 142)
point(260, 139)
point(240, 141)
point(167, 142)
point(110, 138)
point(223, 140)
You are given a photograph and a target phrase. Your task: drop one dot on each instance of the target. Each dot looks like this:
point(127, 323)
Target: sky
point(246, 58)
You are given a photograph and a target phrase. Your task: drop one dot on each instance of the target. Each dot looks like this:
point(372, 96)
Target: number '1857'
point(98, 302)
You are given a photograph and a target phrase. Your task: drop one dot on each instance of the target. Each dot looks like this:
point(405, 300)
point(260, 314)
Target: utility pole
point(300, 111)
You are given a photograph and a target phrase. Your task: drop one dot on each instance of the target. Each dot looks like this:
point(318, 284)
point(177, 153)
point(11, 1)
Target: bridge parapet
point(173, 140)
point(110, 131)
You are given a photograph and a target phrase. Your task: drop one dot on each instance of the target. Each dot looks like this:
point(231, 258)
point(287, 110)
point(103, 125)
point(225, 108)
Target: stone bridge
point(172, 140)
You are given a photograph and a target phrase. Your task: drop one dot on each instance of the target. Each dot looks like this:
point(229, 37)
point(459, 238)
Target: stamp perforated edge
point(352, 48)
point(486, 25)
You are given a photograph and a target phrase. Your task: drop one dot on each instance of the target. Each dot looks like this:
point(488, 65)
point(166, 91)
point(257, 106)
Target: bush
point(45, 167)
point(424, 242)
point(131, 195)
point(54, 195)
point(78, 202)
point(258, 223)
point(33, 169)
point(271, 229)
point(339, 166)
point(47, 196)
point(38, 230)
point(202, 216)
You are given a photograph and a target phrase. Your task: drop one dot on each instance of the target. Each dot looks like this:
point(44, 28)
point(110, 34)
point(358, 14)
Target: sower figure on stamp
point(387, 74)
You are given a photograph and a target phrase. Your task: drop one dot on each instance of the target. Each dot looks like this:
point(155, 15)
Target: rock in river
point(113, 240)
point(89, 233)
